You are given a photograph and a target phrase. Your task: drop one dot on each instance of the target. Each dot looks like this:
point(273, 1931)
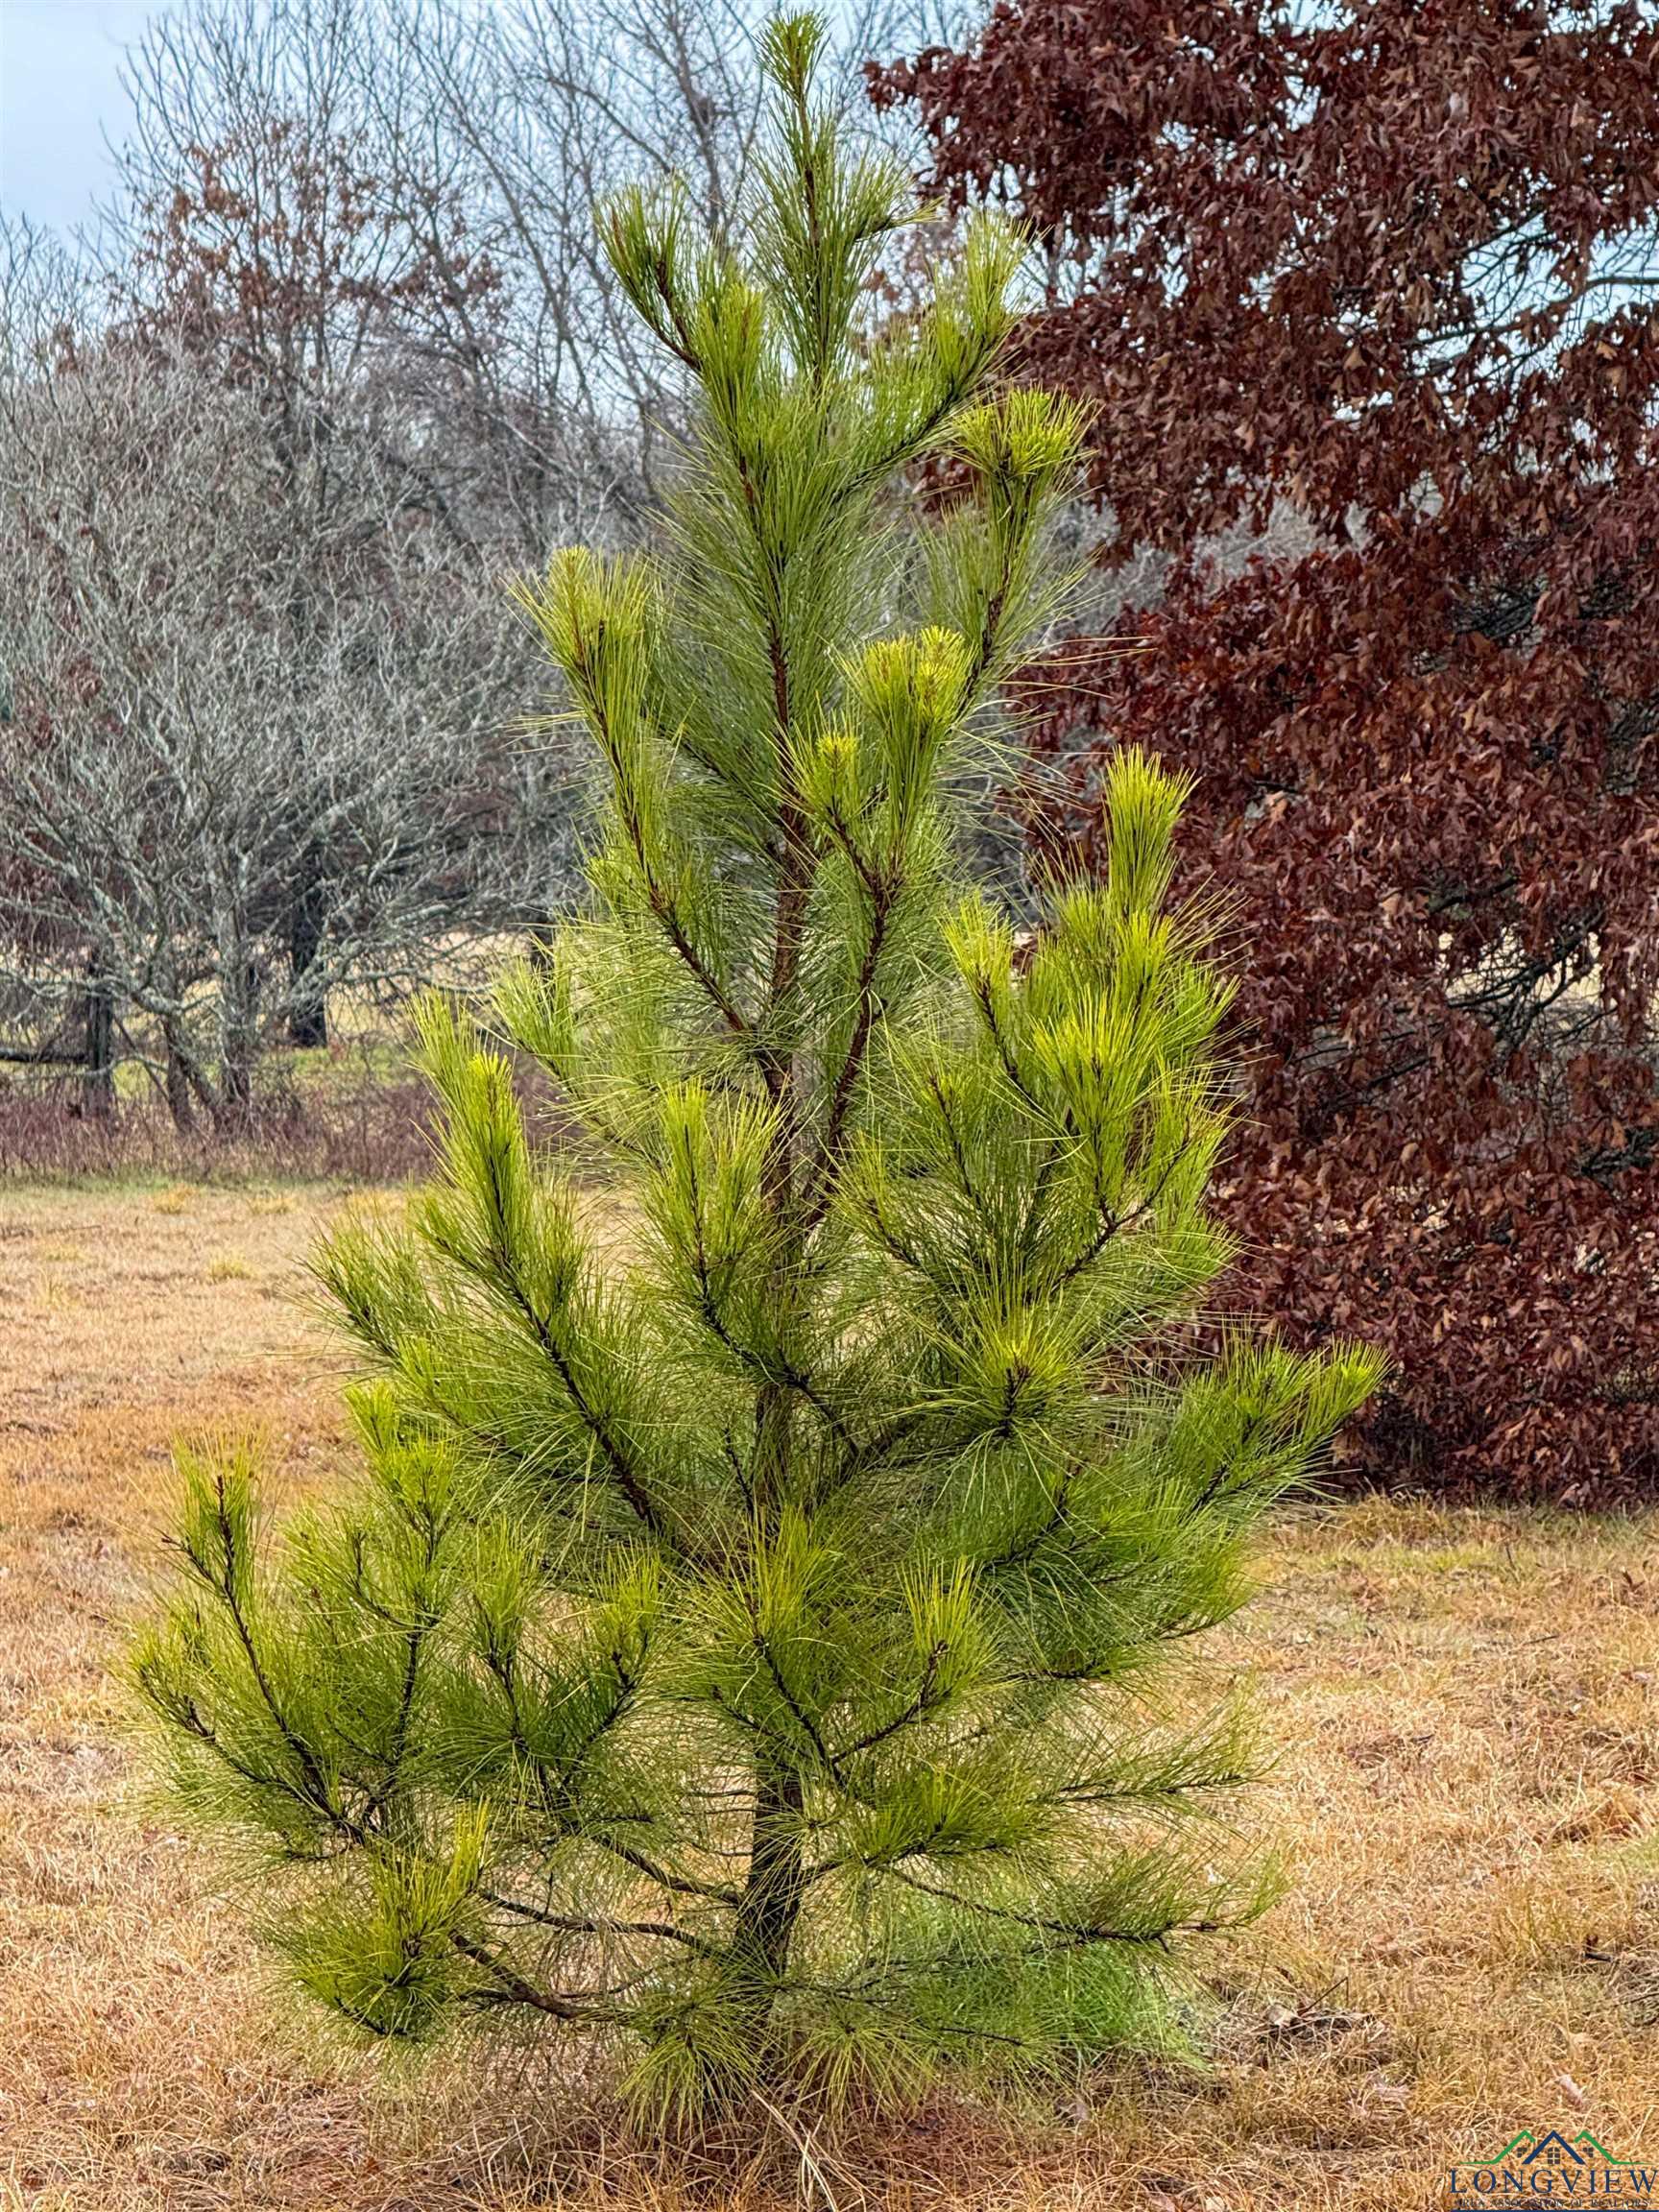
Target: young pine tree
point(741, 1645)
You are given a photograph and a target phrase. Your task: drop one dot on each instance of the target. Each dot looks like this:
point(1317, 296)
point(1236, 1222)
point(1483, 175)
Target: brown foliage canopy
point(1389, 272)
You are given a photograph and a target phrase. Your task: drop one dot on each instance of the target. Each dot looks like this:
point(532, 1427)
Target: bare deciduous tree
point(168, 752)
point(409, 186)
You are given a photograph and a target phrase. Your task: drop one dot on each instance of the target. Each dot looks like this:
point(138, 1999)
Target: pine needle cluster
point(746, 1652)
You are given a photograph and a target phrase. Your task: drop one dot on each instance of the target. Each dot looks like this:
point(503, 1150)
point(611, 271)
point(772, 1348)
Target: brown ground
point(1470, 1943)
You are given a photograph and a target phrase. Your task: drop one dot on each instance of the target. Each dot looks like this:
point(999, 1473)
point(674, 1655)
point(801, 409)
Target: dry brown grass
point(1469, 1706)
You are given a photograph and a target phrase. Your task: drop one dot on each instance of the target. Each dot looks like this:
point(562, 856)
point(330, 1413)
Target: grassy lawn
point(1468, 1706)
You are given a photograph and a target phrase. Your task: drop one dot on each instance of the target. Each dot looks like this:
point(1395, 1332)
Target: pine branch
point(511, 1987)
point(575, 1924)
point(615, 1457)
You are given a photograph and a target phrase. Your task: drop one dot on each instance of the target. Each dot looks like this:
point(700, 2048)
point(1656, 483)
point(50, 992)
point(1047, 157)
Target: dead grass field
point(1469, 1710)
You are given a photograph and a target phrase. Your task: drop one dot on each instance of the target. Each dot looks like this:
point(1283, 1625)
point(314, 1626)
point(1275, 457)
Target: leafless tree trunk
point(98, 1004)
point(170, 747)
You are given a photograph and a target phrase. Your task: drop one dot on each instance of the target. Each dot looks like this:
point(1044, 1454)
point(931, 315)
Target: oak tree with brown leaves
point(1367, 300)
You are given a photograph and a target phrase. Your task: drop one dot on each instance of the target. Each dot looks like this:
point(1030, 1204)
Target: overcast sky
point(59, 94)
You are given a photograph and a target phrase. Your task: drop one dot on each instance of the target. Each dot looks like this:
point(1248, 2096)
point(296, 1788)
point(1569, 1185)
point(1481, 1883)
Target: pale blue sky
point(59, 95)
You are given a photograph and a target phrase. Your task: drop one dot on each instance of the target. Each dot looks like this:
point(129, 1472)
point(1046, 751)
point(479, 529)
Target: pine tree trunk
point(772, 1894)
